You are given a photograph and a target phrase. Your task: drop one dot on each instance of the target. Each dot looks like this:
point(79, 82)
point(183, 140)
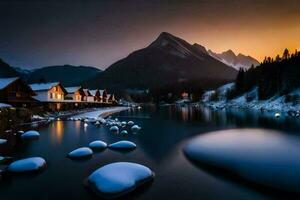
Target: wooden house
point(112, 99)
point(108, 98)
point(16, 92)
point(103, 96)
point(51, 95)
point(96, 94)
point(49, 92)
point(74, 93)
point(88, 97)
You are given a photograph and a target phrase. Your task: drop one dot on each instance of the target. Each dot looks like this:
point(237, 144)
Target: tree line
point(273, 76)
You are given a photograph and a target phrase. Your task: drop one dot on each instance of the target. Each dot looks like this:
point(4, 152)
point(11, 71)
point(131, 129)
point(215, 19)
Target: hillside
point(68, 75)
point(6, 70)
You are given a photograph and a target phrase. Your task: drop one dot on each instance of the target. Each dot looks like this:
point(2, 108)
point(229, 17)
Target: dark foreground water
point(165, 132)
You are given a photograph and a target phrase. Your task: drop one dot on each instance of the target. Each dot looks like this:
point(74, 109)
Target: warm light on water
point(57, 131)
point(165, 132)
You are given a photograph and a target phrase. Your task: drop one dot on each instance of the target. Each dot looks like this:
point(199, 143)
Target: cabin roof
point(93, 92)
point(72, 89)
point(87, 92)
point(4, 82)
point(43, 86)
point(101, 92)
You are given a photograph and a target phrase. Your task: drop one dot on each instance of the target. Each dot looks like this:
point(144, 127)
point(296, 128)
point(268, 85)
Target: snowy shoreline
point(101, 112)
point(269, 106)
point(285, 104)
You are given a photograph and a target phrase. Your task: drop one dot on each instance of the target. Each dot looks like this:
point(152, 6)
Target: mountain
point(235, 61)
point(68, 75)
point(168, 60)
point(6, 70)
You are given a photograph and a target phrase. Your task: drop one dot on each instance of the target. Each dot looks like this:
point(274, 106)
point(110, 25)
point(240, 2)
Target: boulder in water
point(81, 153)
point(130, 123)
point(27, 165)
point(98, 145)
point(114, 129)
point(117, 179)
point(124, 132)
point(123, 145)
point(32, 134)
point(3, 141)
point(135, 128)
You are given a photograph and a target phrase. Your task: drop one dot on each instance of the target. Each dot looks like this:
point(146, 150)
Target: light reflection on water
point(165, 130)
point(57, 131)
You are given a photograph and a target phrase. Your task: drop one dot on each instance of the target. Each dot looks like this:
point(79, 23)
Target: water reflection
point(165, 130)
point(56, 132)
point(184, 113)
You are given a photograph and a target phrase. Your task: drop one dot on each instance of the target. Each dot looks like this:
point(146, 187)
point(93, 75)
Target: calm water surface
point(165, 132)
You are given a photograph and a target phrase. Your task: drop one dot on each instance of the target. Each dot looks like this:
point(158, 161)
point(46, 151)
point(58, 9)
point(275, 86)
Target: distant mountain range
point(168, 60)
point(68, 75)
point(233, 60)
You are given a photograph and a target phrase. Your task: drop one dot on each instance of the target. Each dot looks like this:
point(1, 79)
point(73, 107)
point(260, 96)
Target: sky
point(98, 33)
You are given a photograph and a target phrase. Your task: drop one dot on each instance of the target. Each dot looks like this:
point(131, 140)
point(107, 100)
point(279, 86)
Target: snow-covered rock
point(277, 115)
point(135, 128)
point(27, 165)
point(114, 129)
point(123, 145)
point(3, 141)
point(98, 145)
point(130, 123)
point(265, 157)
point(124, 123)
point(116, 179)
point(30, 135)
point(83, 152)
point(97, 123)
point(124, 132)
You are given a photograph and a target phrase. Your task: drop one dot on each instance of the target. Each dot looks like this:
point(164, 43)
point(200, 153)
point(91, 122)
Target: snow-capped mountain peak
point(236, 61)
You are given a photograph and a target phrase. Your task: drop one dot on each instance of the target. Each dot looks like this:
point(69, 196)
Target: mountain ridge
point(167, 60)
point(236, 61)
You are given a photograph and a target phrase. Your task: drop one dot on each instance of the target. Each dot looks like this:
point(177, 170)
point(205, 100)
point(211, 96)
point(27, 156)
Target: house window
point(51, 96)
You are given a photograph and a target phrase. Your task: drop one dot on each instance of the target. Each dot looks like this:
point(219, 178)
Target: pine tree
point(286, 54)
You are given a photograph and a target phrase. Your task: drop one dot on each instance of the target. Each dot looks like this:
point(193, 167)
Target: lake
point(165, 131)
